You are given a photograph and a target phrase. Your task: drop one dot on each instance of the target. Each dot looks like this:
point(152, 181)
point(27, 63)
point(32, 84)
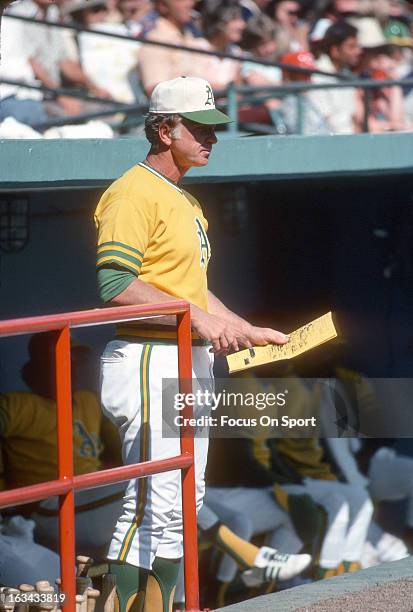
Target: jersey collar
point(159, 175)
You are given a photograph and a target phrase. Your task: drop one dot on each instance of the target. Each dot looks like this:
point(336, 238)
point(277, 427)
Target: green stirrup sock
point(165, 572)
point(129, 580)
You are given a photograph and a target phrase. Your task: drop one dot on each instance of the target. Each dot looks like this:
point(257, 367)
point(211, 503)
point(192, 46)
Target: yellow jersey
point(28, 437)
point(148, 225)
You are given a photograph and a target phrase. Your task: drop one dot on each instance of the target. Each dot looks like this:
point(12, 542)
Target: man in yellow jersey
point(153, 247)
point(28, 438)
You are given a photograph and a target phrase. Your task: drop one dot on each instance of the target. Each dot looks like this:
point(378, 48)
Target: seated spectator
point(44, 48)
point(340, 108)
point(174, 24)
point(28, 437)
point(110, 62)
point(386, 107)
point(25, 105)
point(222, 26)
point(400, 43)
point(264, 39)
point(306, 119)
point(286, 14)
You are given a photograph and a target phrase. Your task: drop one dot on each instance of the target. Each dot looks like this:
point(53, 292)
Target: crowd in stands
point(342, 38)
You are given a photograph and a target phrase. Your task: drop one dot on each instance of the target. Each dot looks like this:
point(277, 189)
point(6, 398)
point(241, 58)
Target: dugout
point(300, 225)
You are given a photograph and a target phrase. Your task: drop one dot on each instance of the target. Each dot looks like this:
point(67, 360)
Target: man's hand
point(71, 106)
point(260, 336)
point(227, 335)
point(223, 335)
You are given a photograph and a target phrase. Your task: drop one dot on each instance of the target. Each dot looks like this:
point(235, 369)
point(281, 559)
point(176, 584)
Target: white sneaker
point(271, 565)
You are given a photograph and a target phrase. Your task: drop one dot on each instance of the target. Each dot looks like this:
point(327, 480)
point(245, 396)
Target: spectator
point(386, 108)
point(25, 105)
point(400, 44)
point(340, 108)
point(222, 26)
point(264, 39)
point(44, 47)
point(286, 14)
point(110, 62)
point(309, 120)
point(173, 24)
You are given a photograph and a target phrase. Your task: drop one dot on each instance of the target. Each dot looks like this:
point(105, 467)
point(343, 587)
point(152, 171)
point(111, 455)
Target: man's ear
point(165, 134)
point(334, 51)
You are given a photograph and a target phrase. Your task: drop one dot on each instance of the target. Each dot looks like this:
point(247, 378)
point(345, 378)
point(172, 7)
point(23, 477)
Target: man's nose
point(211, 138)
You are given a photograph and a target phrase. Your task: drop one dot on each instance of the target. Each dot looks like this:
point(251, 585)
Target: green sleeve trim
point(112, 281)
point(121, 244)
point(112, 254)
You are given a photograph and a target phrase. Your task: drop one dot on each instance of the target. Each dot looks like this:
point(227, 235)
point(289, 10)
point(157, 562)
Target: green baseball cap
point(397, 33)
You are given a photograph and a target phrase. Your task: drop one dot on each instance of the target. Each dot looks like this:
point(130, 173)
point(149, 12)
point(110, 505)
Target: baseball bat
point(79, 602)
point(92, 597)
point(82, 565)
point(82, 584)
point(44, 605)
point(8, 602)
point(24, 589)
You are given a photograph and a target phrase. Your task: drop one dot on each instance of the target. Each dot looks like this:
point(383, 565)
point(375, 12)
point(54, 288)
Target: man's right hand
point(229, 335)
point(224, 337)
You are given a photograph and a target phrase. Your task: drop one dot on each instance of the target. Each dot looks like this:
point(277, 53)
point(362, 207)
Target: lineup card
point(301, 340)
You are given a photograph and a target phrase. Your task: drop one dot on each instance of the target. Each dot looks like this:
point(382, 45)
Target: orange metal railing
point(66, 483)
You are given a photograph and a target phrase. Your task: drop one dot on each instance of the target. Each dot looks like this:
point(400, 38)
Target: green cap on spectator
point(397, 33)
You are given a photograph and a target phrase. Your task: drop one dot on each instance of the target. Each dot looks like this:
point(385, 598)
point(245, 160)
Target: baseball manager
point(152, 248)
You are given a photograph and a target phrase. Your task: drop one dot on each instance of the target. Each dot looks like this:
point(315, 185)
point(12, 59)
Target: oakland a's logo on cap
point(210, 97)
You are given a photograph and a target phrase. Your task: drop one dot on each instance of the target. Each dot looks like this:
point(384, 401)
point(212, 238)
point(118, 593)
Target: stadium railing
point(66, 483)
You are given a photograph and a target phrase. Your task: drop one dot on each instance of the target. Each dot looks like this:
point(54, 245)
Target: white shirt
point(337, 106)
point(109, 62)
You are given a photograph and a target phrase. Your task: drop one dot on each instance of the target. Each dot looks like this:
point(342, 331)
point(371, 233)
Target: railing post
point(366, 108)
point(232, 107)
point(300, 112)
point(65, 466)
point(190, 533)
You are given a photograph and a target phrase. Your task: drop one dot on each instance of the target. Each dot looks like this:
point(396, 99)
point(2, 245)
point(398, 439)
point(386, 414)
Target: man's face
point(192, 143)
point(178, 11)
point(234, 29)
point(348, 53)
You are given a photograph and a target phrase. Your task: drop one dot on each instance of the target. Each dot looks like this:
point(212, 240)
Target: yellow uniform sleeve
point(124, 230)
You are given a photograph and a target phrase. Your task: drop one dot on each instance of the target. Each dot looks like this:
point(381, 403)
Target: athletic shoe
point(272, 565)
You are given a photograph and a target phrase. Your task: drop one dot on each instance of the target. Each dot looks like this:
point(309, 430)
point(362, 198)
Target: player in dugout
point(28, 438)
point(153, 248)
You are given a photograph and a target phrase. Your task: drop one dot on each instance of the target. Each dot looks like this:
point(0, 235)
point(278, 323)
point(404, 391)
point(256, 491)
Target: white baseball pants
point(391, 478)
point(349, 511)
point(131, 381)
